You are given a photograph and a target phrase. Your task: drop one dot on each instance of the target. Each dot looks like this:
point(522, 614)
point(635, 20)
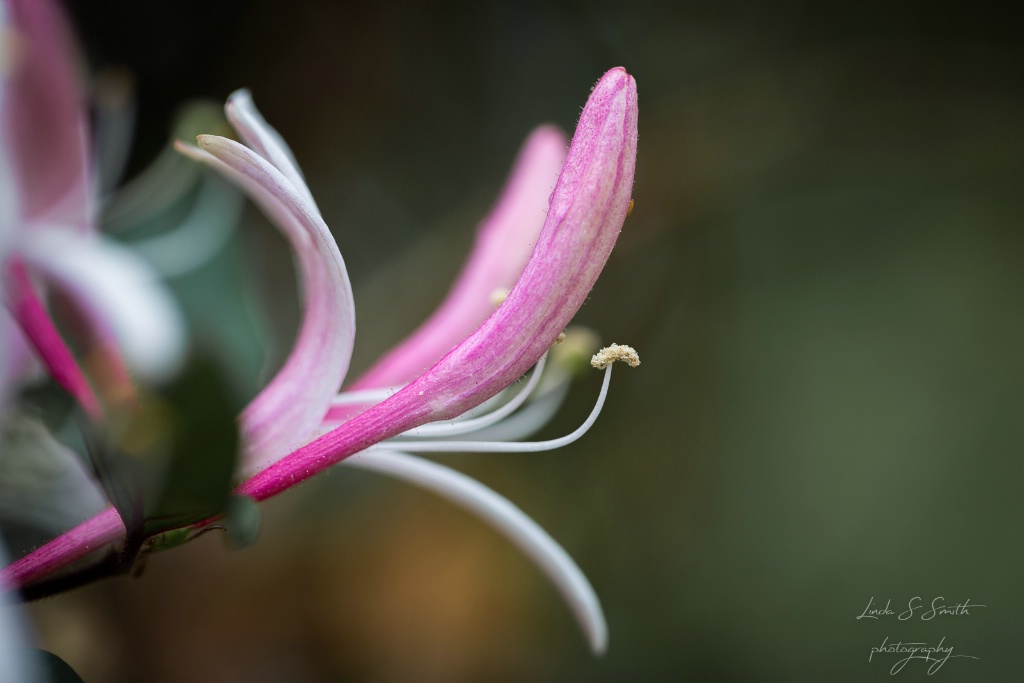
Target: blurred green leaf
point(204, 449)
point(170, 460)
point(44, 487)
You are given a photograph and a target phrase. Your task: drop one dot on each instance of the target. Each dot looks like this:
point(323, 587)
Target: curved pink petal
point(44, 123)
point(587, 210)
point(288, 411)
point(28, 310)
point(504, 242)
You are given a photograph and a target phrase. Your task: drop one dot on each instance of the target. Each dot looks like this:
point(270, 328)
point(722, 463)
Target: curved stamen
point(528, 420)
point(504, 446)
point(472, 424)
point(460, 425)
point(355, 398)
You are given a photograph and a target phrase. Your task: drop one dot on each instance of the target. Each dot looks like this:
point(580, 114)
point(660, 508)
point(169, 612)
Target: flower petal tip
point(238, 103)
point(615, 78)
point(549, 132)
point(610, 354)
point(184, 147)
point(239, 96)
point(599, 641)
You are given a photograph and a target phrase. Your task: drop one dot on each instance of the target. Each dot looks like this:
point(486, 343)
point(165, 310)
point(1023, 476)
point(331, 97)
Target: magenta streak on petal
point(89, 536)
point(288, 411)
point(45, 118)
point(42, 334)
point(587, 210)
point(503, 245)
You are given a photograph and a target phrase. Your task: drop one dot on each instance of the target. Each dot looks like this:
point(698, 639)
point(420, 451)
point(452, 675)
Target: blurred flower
point(47, 235)
point(176, 214)
point(471, 356)
point(121, 313)
point(586, 212)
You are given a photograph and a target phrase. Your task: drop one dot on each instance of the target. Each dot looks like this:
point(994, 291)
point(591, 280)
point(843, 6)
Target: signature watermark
point(916, 605)
point(933, 655)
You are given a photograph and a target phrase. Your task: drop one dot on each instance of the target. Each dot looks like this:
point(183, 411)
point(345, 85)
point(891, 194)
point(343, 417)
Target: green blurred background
point(822, 276)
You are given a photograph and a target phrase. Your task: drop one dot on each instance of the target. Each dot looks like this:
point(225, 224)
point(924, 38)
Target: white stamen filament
point(530, 418)
point(464, 426)
point(504, 446)
point(460, 425)
point(354, 398)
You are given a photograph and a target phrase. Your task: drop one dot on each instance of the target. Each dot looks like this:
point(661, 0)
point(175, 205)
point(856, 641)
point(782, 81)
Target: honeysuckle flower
point(47, 235)
point(585, 213)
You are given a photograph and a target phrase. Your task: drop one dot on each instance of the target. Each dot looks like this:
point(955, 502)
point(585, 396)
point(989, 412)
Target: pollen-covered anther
point(560, 338)
point(610, 354)
point(498, 296)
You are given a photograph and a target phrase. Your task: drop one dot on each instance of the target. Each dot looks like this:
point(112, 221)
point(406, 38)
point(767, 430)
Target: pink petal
point(504, 242)
point(86, 538)
point(588, 207)
point(38, 327)
point(288, 411)
point(43, 117)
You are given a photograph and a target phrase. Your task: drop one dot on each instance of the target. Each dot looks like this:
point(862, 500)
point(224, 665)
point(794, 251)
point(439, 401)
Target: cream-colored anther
point(610, 354)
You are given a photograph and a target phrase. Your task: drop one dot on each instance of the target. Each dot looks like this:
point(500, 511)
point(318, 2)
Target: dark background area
point(822, 276)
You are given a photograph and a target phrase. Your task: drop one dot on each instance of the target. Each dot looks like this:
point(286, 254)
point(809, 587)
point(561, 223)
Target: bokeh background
point(823, 278)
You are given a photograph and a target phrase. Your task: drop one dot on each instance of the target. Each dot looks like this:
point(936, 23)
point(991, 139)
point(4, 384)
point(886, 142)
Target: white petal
point(265, 139)
point(500, 513)
point(117, 290)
